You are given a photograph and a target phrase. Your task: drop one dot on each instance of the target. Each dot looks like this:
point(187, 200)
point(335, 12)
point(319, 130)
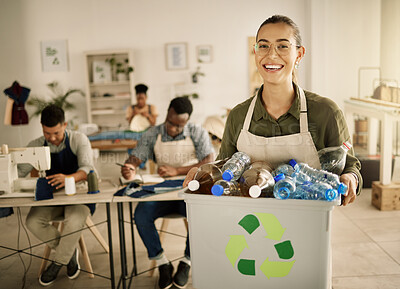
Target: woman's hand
point(351, 182)
point(189, 176)
point(128, 171)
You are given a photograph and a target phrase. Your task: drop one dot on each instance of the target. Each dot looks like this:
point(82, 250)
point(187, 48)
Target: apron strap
point(303, 113)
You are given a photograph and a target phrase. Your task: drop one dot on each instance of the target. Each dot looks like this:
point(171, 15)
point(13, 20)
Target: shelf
point(113, 83)
point(107, 112)
point(110, 98)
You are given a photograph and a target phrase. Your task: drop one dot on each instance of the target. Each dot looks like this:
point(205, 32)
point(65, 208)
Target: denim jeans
point(145, 215)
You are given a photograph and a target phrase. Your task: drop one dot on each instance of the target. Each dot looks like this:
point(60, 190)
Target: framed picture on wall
point(176, 56)
point(204, 53)
point(54, 55)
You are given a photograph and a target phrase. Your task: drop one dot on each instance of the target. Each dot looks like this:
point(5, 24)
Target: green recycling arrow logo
point(274, 230)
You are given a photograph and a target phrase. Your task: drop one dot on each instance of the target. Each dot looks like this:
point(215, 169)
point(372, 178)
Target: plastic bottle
point(93, 184)
point(257, 179)
point(206, 176)
point(333, 159)
point(283, 169)
point(322, 191)
point(226, 188)
point(319, 176)
point(302, 190)
point(284, 187)
point(235, 166)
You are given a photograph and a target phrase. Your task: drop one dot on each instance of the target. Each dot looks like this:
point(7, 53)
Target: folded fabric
point(44, 191)
point(134, 190)
point(116, 135)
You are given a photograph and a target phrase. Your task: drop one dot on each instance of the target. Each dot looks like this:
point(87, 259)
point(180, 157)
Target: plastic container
point(257, 180)
point(227, 188)
point(205, 177)
point(284, 187)
point(235, 166)
point(333, 159)
point(241, 243)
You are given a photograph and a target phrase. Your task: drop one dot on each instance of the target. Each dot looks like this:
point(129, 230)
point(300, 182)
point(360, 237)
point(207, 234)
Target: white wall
point(329, 29)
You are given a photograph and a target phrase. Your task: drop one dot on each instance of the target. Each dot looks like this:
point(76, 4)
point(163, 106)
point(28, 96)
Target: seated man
point(71, 155)
point(176, 146)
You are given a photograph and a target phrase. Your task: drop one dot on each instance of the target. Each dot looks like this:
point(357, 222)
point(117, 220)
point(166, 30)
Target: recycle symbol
point(274, 230)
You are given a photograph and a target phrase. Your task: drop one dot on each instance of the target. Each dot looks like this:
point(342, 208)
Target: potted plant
point(59, 98)
point(123, 70)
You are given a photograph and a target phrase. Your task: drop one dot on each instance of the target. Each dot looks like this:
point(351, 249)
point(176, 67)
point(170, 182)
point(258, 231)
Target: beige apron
point(179, 153)
point(277, 150)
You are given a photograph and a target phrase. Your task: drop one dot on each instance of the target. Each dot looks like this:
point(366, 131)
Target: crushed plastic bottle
point(319, 176)
point(333, 159)
point(235, 166)
point(321, 191)
point(285, 169)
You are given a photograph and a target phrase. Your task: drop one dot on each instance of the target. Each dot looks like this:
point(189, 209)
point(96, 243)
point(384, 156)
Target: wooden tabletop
point(107, 190)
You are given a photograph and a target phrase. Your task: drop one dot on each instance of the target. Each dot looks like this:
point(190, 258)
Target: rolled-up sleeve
point(201, 141)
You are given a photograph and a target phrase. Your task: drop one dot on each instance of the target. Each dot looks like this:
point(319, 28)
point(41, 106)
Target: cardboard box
point(385, 197)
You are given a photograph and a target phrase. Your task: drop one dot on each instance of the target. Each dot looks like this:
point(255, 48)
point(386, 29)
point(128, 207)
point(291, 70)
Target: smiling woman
point(282, 121)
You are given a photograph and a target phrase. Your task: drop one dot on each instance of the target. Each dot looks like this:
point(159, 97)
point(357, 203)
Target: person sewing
point(141, 115)
point(71, 155)
point(282, 121)
point(176, 146)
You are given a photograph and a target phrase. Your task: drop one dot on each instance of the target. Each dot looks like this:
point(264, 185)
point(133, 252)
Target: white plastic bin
point(238, 242)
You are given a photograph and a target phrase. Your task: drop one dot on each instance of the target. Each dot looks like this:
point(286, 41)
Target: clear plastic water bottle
point(284, 187)
point(302, 190)
point(333, 159)
point(285, 169)
point(257, 179)
point(319, 176)
point(235, 166)
point(206, 176)
point(226, 188)
point(322, 191)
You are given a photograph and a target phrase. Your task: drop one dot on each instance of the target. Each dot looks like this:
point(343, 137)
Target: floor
point(365, 245)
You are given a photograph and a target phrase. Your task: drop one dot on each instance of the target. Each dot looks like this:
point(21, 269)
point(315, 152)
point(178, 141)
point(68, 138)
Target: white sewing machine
point(10, 184)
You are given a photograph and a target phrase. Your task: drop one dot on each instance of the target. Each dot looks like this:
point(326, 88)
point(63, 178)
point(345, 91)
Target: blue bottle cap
point(91, 171)
point(217, 190)
point(284, 193)
point(293, 162)
point(227, 175)
point(342, 189)
point(330, 194)
point(279, 177)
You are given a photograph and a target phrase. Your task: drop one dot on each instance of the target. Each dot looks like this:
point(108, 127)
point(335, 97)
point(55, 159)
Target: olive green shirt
point(326, 123)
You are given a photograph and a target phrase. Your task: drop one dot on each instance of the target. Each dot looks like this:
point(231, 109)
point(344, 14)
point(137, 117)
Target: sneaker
point(73, 268)
point(182, 275)
point(50, 274)
point(165, 280)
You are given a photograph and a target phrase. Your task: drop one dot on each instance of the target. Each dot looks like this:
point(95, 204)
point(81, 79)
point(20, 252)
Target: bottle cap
point(279, 177)
point(217, 190)
point(284, 193)
point(255, 191)
point(91, 171)
point(293, 162)
point(193, 185)
point(227, 175)
point(330, 194)
point(342, 189)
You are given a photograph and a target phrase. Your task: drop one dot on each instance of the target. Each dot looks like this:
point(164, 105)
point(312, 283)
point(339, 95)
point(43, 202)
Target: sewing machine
point(10, 184)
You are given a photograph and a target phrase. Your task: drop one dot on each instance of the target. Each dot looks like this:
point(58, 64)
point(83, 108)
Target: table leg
point(133, 239)
point(110, 245)
point(120, 207)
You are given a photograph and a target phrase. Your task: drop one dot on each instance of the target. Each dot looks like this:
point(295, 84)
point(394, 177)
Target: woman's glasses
point(283, 48)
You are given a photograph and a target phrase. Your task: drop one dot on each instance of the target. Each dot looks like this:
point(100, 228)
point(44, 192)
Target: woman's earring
point(296, 65)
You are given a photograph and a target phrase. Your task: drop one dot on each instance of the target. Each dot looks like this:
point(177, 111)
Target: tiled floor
point(365, 243)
